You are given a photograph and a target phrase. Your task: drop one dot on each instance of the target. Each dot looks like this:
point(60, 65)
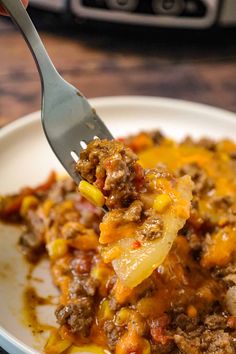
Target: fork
point(69, 122)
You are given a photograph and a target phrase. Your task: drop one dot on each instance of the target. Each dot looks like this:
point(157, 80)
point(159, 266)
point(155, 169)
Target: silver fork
point(68, 120)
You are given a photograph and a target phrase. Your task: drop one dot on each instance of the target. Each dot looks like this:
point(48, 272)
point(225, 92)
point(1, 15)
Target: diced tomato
point(47, 184)
point(158, 329)
point(136, 244)
point(14, 203)
point(139, 172)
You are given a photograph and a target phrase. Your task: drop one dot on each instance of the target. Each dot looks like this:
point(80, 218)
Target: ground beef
point(230, 279)
point(223, 202)
point(90, 219)
point(60, 189)
point(78, 316)
point(157, 137)
point(206, 143)
point(83, 286)
point(31, 241)
point(72, 229)
point(110, 285)
point(229, 276)
point(230, 300)
point(113, 333)
point(133, 213)
point(185, 323)
point(187, 345)
point(217, 342)
point(81, 263)
point(202, 182)
point(226, 206)
point(35, 222)
point(215, 322)
point(32, 246)
point(113, 169)
point(151, 229)
point(195, 243)
point(89, 215)
point(229, 270)
point(208, 342)
point(113, 304)
point(160, 172)
point(167, 348)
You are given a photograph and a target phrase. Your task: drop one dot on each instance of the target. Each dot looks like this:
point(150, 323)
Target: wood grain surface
point(105, 59)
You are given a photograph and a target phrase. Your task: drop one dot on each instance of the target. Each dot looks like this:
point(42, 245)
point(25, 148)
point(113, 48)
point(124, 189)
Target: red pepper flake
point(136, 245)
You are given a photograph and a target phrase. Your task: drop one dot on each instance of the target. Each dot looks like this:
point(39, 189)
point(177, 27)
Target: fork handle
point(44, 64)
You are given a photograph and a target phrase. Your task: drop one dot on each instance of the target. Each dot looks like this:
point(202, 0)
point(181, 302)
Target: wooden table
point(105, 60)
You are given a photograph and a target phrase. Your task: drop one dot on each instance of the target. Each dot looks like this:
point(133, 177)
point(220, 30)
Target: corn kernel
point(96, 273)
point(147, 307)
point(151, 176)
point(161, 202)
point(191, 311)
point(104, 313)
point(91, 193)
point(2, 199)
point(47, 205)
point(146, 347)
point(57, 248)
point(224, 157)
point(100, 273)
point(168, 142)
point(28, 202)
point(123, 316)
point(56, 344)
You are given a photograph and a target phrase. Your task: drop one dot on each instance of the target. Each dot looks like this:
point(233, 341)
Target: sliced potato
point(133, 265)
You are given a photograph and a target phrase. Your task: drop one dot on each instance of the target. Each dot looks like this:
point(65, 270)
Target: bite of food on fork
point(146, 207)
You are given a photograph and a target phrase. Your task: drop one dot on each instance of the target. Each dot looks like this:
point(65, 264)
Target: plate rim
point(12, 341)
point(109, 101)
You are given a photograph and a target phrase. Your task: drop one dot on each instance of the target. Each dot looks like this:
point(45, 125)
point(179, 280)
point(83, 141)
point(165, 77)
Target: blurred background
point(182, 49)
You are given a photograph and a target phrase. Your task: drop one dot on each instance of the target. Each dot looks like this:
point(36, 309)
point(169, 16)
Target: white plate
point(26, 159)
